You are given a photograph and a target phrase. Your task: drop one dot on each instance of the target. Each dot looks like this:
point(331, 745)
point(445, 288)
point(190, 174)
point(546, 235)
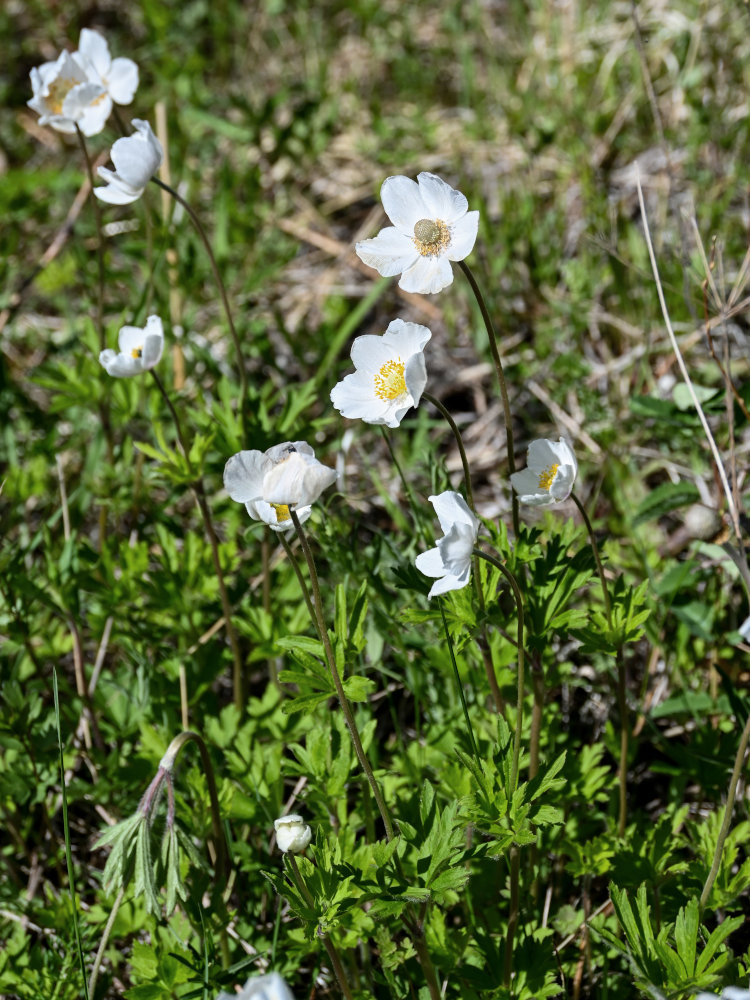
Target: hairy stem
point(731, 792)
point(459, 442)
point(346, 708)
point(492, 335)
point(622, 703)
point(200, 497)
point(103, 943)
point(333, 954)
point(222, 292)
point(459, 685)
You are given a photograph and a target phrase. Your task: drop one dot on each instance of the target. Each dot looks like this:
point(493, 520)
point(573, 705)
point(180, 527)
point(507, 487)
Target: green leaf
point(663, 499)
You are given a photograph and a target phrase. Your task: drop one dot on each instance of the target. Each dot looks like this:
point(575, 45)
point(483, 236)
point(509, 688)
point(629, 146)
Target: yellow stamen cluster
point(431, 237)
point(282, 512)
point(137, 352)
point(389, 381)
point(58, 91)
point(547, 477)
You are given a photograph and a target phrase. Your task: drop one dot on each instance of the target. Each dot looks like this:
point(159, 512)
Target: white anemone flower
point(140, 349)
point(136, 157)
point(431, 227)
point(292, 833)
point(118, 77)
point(450, 560)
point(390, 376)
point(65, 97)
point(273, 483)
point(268, 987)
point(551, 471)
point(728, 993)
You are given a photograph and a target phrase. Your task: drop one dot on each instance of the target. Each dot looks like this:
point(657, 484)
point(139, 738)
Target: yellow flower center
point(58, 91)
point(137, 352)
point(546, 478)
point(431, 237)
point(389, 381)
point(282, 512)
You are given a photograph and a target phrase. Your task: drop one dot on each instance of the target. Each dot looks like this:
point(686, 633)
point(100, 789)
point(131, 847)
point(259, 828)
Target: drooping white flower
point(65, 97)
point(550, 473)
point(390, 376)
point(450, 561)
point(292, 833)
point(268, 987)
point(140, 349)
point(118, 77)
point(271, 483)
point(431, 227)
point(136, 157)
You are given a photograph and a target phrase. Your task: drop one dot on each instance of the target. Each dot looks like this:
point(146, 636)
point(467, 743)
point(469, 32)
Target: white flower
point(118, 77)
point(390, 376)
point(292, 833)
point(450, 561)
point(270, 483)
point(268, 987)
point(729, 993)
point(431, 227)
point(551, 471)
point(136, 157)
point(65, 97)
point(140, 349)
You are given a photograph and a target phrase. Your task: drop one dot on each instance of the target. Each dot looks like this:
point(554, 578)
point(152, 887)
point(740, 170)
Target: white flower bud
point(292, 833)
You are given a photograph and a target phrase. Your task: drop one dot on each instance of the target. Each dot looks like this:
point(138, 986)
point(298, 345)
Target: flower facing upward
point(431, 227)
point(292, 833)
point(118, 77)
point(450, 561)
point(140, 349)
point(390, 376)
point(65, 97)
point(551, 471)
point(270, 483)
point(136, 157)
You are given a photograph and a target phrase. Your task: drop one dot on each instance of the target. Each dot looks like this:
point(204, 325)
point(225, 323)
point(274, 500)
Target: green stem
point(346, 708)
point(103, 943)
point(490, 327)
point(168, 762)
point(416, 513)
point(300, 578)
point(99, 239)
point(537, 711)
point(733, 782)
point(200, 497)
point(222, 291)
point(520, 671)
point(459, 441)
point(622, 703)
point(459, 685)
point(333, 954)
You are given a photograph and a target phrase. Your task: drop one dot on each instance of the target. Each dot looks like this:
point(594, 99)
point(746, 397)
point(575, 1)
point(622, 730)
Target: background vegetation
point(283, 120)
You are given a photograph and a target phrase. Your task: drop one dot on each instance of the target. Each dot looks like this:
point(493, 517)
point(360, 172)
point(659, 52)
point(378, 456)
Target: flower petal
point(463, 236)
point(136, 157)
point(354, 398)
point(410, 338)
point(403, 203)
point(448, 583)
point(442, 201)
point(390, 252)
point(456, 548)
point(120, 365)
point(296, 481)
point(451, 508)
point(542, 454)
point(430, 563)
point(369, 353)
point(122, 80)
point(427, 275)
point(415, 376)
point(243, 475)
point(117, 191)
point(94, 49)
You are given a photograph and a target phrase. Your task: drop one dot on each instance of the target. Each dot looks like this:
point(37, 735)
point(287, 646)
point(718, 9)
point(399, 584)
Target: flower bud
point(292, 833)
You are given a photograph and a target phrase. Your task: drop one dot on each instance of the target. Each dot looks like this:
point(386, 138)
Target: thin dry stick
point(732, 791)
point(733, 513)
